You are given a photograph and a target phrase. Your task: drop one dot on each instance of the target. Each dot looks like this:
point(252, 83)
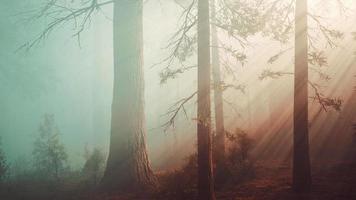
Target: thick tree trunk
point(301, 160)
point(219, 146)
point(205, 169)
point(128, 167)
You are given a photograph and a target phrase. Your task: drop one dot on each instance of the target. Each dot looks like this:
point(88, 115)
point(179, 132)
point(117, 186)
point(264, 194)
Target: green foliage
point(94, 165)
point(50, 157)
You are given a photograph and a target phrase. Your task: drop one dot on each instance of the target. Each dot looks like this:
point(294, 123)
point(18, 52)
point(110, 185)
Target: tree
point(205, 165)
point(301, 160)
point(94, 166)
point(50, 157)
point(3, 164)
point(127, 166)
point(306, 53)
point(219, 151)
point(237, 20)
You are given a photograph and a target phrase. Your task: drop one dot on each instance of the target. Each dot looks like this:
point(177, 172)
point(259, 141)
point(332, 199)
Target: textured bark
point(219, 151)
point(128, 167)
point(301, 160)
point(205, 169)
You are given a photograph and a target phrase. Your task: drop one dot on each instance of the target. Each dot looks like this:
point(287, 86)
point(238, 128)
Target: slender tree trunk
point(205, 169)
point(128, 167)
point(301, 160)
point(219, 150)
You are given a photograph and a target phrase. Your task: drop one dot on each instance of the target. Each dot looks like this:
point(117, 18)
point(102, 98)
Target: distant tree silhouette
point(219, 139)
point(3, 164)
point(50, 157)
point(94, 166)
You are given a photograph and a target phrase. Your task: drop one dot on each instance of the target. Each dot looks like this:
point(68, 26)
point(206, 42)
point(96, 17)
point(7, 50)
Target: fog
point(71, 78)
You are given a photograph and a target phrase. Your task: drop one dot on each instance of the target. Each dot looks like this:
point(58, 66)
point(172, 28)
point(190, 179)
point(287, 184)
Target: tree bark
point(128, 167)
point(301, 160)
point(205, 169)
point(219, 150)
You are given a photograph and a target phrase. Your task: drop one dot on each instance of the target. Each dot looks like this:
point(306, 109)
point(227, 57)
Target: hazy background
point(74, 82)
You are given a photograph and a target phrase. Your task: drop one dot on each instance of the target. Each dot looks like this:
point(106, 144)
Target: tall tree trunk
point(128, 166)
point(205, 169)
point(98, 83)
point(219, 150)
point(301, 160)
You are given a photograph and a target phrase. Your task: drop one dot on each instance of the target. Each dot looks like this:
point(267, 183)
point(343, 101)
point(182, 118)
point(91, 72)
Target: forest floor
point(271, 182)
point(274, 183)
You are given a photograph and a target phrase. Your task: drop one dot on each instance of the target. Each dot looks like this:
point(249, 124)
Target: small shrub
point(93, 168)
point(239, 164)
point(181, 183)
point(3, 165)
point(20, 170)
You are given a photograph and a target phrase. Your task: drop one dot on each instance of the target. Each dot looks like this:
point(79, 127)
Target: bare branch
point(174, 110)
point(62, 14)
